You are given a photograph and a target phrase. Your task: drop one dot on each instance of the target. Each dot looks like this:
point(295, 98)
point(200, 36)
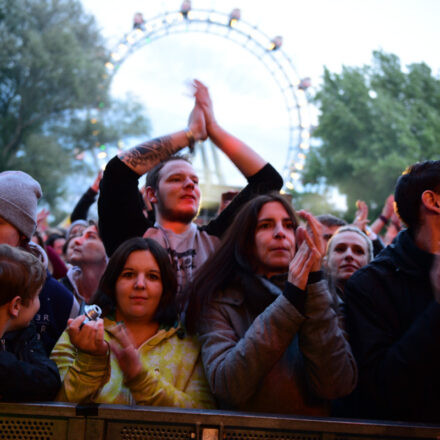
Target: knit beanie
point(19, 194)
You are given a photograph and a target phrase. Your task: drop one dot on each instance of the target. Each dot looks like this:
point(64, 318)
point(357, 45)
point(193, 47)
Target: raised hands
point(42, 223)
point(125, 352)
point(203, 100)
point(388, 207)
point(96, 182)
point(88, 337)
point(197, 123)
point(361, 218)
point(243, 157)
point(314, 228)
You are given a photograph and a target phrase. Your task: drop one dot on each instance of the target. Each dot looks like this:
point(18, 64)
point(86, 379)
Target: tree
point(52, 83)
point(374, 122)
point(315, 202)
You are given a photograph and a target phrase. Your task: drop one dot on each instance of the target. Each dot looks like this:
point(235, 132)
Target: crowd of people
point(264, 309)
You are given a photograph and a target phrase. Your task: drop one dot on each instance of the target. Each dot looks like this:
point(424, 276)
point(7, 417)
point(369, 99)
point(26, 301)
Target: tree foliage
point(52, 80)
point(315, 202)
point(374, 122)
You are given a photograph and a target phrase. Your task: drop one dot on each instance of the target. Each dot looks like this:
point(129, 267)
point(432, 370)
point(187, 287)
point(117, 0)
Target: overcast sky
point(247, 101)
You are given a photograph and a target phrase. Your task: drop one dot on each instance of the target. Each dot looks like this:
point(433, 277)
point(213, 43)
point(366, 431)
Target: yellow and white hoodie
point(172, 373)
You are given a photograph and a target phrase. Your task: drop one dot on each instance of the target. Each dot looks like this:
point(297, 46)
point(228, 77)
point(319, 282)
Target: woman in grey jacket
point(271, 340)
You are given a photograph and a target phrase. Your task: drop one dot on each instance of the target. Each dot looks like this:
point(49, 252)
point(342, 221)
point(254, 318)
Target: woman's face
point(138, 288)
point(348, 253)
point(274, 239)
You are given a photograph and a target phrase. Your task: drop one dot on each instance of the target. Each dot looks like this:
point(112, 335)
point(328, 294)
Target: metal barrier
point(59, 421)
point(41, 422)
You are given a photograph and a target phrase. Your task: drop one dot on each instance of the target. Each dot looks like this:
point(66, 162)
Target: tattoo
point(150, 153)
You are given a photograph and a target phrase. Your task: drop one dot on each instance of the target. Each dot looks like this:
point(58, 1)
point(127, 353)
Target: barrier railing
point(62, 421)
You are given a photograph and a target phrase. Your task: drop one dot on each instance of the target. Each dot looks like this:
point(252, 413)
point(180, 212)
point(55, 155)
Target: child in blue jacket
point(26, 372)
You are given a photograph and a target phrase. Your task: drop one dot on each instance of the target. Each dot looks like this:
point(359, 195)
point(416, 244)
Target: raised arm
point(120, 206)
point(244, 158)
point(81, 209)
point(262, 177)
point(385, 216)
point(147, 155)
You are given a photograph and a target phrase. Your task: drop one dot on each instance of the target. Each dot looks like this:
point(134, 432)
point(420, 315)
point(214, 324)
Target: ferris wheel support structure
point(268, 51)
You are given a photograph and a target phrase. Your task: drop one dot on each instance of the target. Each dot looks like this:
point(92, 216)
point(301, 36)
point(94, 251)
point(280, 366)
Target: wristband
point(397, 225)
point(191, 140)
point(384, 219)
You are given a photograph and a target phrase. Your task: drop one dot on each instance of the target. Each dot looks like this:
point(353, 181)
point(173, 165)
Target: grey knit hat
point(19, 194)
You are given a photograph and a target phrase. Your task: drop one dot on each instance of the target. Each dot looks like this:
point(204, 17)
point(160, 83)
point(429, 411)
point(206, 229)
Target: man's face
point(178, 193)
point(87, 248)
point(8, 233)
point(58, 245)
point(328, 231)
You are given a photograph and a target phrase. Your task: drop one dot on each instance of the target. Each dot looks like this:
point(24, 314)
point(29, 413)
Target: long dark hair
point(234, 256)
point(105, 297)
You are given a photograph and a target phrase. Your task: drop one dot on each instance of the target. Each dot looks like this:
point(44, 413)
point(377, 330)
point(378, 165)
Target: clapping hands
point(310, 251)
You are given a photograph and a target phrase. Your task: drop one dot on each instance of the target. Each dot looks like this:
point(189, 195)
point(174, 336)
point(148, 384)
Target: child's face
point(27, 312)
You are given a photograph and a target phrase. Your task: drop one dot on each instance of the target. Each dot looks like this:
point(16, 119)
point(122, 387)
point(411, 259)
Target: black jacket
point(26, 373)
point(81, 209)
point(394, 329)
point(57, 305)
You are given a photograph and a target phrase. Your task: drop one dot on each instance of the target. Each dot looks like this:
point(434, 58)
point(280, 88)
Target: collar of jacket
point(14, 337)
point(234, 293)
point(408, 257)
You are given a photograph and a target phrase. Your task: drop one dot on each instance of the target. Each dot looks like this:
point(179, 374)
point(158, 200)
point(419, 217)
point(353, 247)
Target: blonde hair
point(351, 228)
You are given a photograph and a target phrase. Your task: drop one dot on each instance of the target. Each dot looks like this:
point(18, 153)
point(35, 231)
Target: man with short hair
point(330, 224)
point(393, 310)
point(89, 261)
point(173, 190)
point(26, 372)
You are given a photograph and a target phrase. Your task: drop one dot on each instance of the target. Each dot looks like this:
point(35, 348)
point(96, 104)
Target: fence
point(62, 421)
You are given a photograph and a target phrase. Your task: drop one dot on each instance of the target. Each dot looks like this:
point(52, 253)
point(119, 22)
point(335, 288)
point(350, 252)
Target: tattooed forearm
point(149, 154)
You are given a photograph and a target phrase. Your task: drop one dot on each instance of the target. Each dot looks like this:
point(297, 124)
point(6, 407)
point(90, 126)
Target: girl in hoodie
point(138, 354)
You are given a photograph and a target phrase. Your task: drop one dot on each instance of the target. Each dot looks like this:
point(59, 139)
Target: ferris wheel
point(266, 49)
